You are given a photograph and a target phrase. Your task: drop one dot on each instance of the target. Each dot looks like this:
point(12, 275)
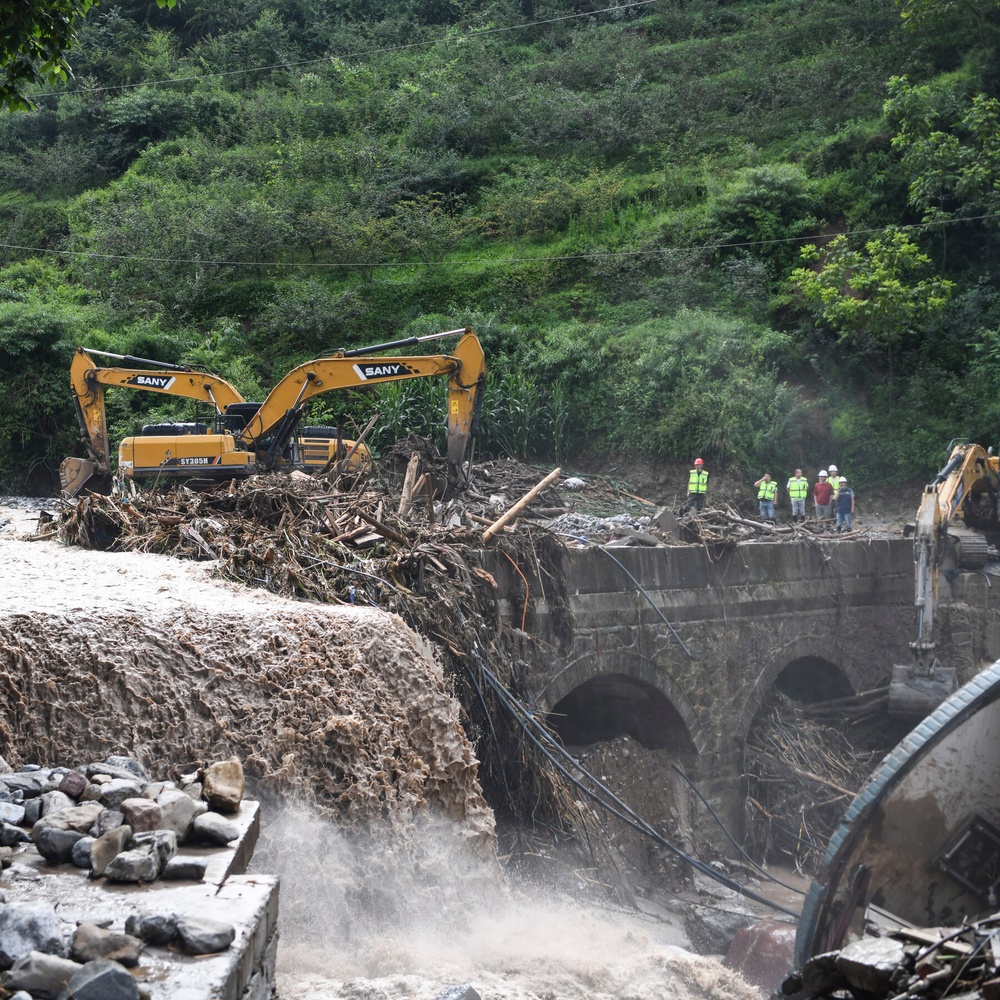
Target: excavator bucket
point(75, 474)
point(914, 695)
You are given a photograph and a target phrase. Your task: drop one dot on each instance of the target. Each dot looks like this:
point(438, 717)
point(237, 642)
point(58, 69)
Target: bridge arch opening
point(811, 679)
point(613, 705)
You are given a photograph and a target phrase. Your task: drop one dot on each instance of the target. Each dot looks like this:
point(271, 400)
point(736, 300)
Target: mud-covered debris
point(802, 774)
point(906, 963)
point(726, 527)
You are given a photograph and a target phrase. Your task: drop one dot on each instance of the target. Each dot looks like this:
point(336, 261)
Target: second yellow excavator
point(948, 535)
point(262, 437)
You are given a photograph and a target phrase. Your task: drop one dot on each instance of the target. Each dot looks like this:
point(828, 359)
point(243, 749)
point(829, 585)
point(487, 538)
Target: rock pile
point(109, 818)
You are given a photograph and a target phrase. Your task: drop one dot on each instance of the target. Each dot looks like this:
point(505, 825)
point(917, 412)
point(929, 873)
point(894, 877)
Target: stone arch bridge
point(679, 647)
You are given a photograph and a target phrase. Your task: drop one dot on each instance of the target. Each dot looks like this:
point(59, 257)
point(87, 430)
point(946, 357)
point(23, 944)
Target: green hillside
point(757, 231)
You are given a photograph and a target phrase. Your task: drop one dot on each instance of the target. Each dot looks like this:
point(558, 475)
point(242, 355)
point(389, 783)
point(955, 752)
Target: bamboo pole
point(521, 504)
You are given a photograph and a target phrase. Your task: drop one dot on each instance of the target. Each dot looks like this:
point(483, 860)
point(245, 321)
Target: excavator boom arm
point(465, 368)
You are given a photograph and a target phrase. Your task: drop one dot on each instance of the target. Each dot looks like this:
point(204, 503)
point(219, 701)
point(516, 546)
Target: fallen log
point(517, 507)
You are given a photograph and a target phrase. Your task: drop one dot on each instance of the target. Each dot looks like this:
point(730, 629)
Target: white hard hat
point(833, 468)
point(843, 479)
point(822, 472)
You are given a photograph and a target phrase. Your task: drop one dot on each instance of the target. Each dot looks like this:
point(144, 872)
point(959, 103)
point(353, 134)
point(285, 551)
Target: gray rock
point(107, 847)
point(80, 855)
point(711, 930)
point(178, 812)
point(185, 869)
point(11, 835)
point(116, 791)
point(5, 768)
point(211, 828)
point(464, 991)
point(20, 995)
point(94, 771)
point(73, 783)
point(201, 936)
point(91, 942)
point(154, 789)
point(32, 811)
point(140, 865)
point(11, 812)
point(820, 974)
point(110, 819)
point(41, 976)
point(162, 842)
point(29, 783)
point(101, 979)
point(129, 764)
point(57, 845)
point(156, 928)
point(4, 794)
point(869, 963)
point(80, 818)
point(224, 785)
point(6, 860)
point(92, 793)
point(53, 802)
point(28, 927)
point(26, 768)
point(193, 790)
point(141, 814)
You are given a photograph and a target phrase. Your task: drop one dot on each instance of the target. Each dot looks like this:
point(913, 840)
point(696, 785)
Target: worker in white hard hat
point(823, 496)
point(834, 480)
point(845, 506)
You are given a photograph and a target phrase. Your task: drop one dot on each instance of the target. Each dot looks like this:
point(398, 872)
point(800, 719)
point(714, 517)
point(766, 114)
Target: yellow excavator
point(317, 445)
point(959, 502)
point(89, 383)
point(262, 437)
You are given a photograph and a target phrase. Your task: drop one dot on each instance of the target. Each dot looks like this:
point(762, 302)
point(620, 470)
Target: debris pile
point(801, 775)
point(306, 538)
point(908, 963)
point(715, 527)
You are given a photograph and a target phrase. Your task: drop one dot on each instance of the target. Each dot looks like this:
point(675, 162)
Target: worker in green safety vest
point(697, 486)
point(767, 490)
point(798, 490)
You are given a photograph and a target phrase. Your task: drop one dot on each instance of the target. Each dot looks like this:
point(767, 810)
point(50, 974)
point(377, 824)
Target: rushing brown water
point(337, 713)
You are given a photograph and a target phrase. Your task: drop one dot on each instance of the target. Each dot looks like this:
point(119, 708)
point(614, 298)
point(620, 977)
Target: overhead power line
point(468, 35)
point(487, 261)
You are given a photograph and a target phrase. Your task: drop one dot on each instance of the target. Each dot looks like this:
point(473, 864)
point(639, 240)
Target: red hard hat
point(699, 461)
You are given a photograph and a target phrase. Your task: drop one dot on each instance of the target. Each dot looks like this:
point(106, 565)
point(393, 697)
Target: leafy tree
point(872, 297)
point(34, 38)
point(950, 144)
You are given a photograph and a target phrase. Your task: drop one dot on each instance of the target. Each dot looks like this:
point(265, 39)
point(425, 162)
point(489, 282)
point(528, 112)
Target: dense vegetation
point(758, 231)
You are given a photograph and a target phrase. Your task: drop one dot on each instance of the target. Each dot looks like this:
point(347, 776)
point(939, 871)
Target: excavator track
point(972, 550)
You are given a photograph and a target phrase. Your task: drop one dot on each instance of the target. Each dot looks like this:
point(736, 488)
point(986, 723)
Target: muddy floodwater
point(337, 712)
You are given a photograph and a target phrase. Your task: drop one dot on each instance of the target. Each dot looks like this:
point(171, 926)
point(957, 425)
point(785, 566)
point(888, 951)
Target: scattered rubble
point(907, 963)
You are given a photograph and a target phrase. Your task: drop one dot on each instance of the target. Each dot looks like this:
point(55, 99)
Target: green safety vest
point(834, 481)
point(798, 489)
point(767, 490)
point(698, 482)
